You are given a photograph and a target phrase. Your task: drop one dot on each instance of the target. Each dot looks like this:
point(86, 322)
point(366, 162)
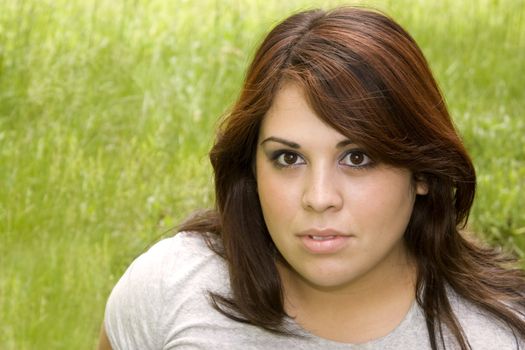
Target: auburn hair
point(366, 77)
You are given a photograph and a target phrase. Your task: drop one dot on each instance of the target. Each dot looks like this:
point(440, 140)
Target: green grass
point(107, 111)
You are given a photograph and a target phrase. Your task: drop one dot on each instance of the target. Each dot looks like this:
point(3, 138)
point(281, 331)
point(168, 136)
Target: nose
point(321, 191)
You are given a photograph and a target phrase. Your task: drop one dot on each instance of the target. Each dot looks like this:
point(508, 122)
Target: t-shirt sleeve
point(134, 308)
point(483, 330)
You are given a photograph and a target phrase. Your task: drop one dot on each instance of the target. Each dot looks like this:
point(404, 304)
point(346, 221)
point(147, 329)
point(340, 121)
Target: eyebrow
point(295, 145)
point(280, 140)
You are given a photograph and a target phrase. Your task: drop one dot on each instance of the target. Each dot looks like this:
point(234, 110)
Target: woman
point(341, 185)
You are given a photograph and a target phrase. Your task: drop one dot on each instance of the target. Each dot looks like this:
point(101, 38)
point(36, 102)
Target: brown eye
point(288, 159)
point(356, 159)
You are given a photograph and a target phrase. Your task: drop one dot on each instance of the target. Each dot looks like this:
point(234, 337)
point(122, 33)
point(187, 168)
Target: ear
point(421, 184)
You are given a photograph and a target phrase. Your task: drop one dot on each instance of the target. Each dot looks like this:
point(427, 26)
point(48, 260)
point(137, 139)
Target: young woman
point(341, 186)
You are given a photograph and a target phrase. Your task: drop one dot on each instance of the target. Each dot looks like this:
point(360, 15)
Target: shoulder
point(482, 329)
point(164, 264)
point(158, 280)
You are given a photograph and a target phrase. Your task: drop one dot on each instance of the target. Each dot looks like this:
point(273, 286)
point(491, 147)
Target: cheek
point(382, 205)
point(278, 197)
point(273, 194)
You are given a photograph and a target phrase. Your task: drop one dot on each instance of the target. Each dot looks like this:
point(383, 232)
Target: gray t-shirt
point(161, 302)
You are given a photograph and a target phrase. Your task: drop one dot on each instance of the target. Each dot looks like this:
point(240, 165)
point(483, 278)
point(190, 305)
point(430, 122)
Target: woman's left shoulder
point(482, 329)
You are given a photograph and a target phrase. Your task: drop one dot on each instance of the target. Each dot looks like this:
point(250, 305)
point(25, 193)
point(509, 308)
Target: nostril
point(320, 199)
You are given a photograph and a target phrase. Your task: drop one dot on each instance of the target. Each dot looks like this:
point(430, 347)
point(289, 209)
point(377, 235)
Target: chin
point(328, 280)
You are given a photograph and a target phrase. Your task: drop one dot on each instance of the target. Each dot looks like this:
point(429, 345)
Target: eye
point(287, 159)
point(356, 159)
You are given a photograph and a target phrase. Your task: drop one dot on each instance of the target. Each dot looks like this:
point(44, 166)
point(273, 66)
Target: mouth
point(326, 241)
point(322, 238)
point(322, 234)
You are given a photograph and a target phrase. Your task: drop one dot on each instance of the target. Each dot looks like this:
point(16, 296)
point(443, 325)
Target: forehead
point(290, 116)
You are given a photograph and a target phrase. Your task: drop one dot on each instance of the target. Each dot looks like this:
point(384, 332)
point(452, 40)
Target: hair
point(366, 77)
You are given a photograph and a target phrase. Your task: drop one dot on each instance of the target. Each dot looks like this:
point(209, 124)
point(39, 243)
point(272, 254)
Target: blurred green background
point(108, 109)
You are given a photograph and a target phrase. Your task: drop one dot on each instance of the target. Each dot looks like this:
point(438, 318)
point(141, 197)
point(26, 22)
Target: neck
point(368, 308)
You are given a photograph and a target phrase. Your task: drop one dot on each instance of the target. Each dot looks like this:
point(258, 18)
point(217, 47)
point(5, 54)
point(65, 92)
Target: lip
point(328, 241)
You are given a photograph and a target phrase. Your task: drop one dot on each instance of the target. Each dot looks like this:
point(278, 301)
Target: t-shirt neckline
point(406, 323)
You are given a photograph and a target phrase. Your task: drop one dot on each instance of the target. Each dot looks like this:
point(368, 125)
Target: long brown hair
point(366, 77)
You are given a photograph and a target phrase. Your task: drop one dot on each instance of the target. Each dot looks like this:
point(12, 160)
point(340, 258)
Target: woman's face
point(335, 215)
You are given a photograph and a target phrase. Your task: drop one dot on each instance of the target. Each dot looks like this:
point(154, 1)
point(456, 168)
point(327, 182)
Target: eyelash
point(277, 154)
point(369, 162)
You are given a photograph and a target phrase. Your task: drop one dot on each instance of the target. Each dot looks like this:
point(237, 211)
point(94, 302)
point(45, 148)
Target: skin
point(103, 343)
point(310, 176)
